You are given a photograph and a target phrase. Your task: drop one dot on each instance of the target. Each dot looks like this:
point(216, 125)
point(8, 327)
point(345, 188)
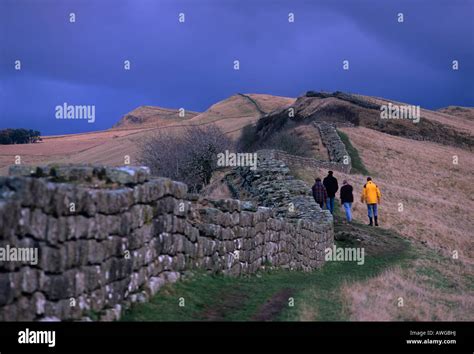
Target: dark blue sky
point(190, 64)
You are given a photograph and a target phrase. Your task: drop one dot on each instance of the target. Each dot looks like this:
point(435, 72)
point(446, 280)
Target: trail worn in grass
point(356, 161)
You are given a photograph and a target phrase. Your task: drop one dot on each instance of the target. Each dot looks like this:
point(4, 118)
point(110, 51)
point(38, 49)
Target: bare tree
point(190, 157)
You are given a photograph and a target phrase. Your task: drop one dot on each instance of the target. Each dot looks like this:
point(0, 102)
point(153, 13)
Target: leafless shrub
point(190, 157)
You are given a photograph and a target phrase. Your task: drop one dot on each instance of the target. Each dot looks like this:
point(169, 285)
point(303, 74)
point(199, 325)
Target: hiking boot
point(370, 223)
point(376, 221)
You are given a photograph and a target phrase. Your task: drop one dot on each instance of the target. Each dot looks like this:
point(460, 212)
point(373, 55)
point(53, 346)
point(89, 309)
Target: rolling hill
point(112, 146)
point(150, 116)
point(449, 126)
point(412, 164)
point(357, 110)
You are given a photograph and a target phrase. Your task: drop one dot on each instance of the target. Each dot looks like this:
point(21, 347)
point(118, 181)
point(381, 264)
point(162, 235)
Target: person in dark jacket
point(346, 199)
point(330, 182)
point(319, 192)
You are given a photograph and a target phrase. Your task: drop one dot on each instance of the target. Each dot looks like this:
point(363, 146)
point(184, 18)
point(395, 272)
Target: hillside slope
point(152, 116)
point(426, 197)
point(113, 146)
point(357, 110)
point(452, 126)
point(237, 111)
point(428, 200)
point(459, 118)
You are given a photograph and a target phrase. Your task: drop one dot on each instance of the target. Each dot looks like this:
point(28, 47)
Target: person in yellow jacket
point(371, 195)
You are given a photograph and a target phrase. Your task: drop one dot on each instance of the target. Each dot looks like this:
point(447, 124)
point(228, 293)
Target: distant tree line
point(19, 136)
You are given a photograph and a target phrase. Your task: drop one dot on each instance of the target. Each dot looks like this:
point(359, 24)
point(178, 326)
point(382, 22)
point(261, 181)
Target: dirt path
point(376, 241)
point(230, 301)
point(270, 310)
point(235, 299)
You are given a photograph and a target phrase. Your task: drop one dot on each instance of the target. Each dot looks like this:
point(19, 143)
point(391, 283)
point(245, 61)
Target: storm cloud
point(190, 64)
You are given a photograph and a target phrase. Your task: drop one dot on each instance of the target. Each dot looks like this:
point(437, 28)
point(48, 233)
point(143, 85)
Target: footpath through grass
point(274, 294)
point(357, 164)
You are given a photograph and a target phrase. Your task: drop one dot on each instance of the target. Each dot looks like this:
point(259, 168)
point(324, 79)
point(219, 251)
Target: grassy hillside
point(111, 147)
point(152, 116)
point(428, 200)
point(357, 164)
point(357, 110)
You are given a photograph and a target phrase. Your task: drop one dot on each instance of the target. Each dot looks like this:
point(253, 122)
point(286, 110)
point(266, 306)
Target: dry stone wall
point(336, 148)
point(108, 237)
point(306, 162)
point(345, 97)
point(338, 155)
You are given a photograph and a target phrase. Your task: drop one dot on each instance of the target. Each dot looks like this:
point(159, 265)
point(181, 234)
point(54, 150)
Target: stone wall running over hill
point(306, 162)
point(332, 141)
point(108, 237)
point(345, 97)
point(272, 185)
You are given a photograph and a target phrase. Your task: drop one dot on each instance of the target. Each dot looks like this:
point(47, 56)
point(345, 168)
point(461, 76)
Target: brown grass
point(310, 133)
point(308, 313)
point(446, 296)
point(438, 216)
point(447, 116)
point(110, 147)
point(437, 196)
point(152, 116)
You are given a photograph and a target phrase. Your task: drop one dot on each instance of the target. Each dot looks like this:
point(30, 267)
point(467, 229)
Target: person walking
point(330, 182)
point(371, 195)
point(319, 192)
point(346, 199)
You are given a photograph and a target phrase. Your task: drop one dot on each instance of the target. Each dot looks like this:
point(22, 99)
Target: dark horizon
point(190, 64)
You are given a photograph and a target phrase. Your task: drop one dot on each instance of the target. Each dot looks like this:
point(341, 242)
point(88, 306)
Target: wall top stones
point(87, 174)
point(336, 148)
point(82, 189)
point(345, 97)
point(306, 162)
point(271, 185)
